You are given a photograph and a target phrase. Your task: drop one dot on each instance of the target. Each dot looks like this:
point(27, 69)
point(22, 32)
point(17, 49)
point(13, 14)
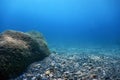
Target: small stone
point(78, 73)
point(76, 65)
point(51, 75)
point(93, 76)
point(47, 72)
point(53, 63)
point(104, 73)
point(59, 79)
point(36, 65)
point(33, 78)
point(85, 64)
point(84, 78)
point(29, 75)
point(25, 79)
point(94, 79)
point(44, 79)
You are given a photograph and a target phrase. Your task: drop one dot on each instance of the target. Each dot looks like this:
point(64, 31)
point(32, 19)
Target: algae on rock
point(18, 50)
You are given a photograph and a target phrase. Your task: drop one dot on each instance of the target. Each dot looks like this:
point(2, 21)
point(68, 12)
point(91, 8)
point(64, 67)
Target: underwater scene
point(59, 39)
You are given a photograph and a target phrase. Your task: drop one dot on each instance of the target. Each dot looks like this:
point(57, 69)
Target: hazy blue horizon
point(64, 20)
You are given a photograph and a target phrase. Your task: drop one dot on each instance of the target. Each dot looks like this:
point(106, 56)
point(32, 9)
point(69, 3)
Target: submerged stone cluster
point(76, 64)
point(18, 50)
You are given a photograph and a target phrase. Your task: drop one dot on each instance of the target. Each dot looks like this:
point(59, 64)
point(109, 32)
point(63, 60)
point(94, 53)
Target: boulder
point(18, 50)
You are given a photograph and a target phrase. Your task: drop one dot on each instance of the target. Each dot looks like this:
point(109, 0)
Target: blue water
point(63, 22)
point(82, 35)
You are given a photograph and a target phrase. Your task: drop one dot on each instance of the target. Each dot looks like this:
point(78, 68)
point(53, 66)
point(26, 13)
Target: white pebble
point(33, 78)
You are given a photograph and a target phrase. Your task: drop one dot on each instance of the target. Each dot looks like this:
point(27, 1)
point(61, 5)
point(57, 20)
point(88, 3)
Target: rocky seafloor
point(76, 64)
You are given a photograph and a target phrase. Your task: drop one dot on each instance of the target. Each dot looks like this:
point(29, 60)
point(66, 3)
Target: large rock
point(18, 50)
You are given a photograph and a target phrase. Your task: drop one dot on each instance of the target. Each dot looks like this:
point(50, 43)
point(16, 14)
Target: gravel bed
point(76, 64)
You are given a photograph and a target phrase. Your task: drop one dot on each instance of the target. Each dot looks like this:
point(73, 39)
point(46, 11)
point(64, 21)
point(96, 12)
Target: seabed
point(76, 64)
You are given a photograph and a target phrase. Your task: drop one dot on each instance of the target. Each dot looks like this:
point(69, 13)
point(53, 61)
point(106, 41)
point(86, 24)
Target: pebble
point(51, 75)
point(47, 72)
point(33, 78)
point(78, 73)
point(94, 79)
point(93, 76)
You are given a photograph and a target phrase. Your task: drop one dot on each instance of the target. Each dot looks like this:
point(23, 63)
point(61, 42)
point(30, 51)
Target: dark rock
point(18, 50)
